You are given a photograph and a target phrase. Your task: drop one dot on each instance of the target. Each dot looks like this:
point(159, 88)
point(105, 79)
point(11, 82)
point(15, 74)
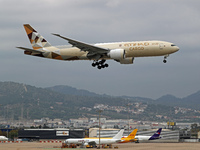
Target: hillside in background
point(38, 102)
point(191, 101)
point(68, 90)
point(20, 101)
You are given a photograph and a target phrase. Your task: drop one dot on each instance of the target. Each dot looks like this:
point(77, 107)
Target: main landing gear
point(100, 64)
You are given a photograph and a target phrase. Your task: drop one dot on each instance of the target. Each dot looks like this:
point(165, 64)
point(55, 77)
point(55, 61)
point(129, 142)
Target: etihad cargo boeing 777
point(122, 52)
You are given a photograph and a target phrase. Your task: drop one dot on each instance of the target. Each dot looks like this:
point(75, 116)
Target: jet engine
point(128, 60)
point(117, 54)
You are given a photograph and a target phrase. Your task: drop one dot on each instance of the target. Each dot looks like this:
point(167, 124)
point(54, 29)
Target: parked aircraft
point(155, 136)
point(3, 138)
point(88, 141)
point(122, 52)
point(130, 137)
point(124, 139)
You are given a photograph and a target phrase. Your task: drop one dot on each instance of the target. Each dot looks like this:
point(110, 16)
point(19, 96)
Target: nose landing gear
point(100, 64)
point(165, 58)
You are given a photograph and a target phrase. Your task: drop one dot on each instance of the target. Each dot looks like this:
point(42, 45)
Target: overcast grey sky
point(97, 21)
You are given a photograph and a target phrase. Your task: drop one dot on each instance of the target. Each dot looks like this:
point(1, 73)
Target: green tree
point(12, 134)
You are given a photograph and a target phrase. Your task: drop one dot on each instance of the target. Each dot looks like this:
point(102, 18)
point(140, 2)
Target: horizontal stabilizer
point(31, 50)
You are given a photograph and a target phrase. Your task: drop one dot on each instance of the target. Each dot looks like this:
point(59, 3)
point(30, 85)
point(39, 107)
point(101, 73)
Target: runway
point(128, 146)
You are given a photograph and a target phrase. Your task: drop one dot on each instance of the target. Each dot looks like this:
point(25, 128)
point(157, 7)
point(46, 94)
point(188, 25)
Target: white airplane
point(155, 136)
point(3, 138)
point(122, 52)
point(89, 141)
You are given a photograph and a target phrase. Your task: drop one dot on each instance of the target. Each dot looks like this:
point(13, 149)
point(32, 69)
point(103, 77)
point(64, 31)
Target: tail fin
point(37, 41)
point(156, 135)
point(132, 134)
point(119, 135)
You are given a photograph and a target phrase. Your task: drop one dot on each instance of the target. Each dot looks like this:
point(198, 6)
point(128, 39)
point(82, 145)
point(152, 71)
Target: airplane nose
point(176, 49)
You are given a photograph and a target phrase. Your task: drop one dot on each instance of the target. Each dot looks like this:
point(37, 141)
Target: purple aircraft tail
point(156, 135)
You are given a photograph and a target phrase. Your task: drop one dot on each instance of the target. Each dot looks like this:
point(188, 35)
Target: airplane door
point(161, 45)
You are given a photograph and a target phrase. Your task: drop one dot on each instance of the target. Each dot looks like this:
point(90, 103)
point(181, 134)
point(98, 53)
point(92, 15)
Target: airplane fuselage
point(132, 49)
point(142, 138)
point(86, 141)
point(146, 138)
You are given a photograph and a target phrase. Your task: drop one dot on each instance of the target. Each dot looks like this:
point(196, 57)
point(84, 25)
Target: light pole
point(99, 124)
point(2, 112)
point(128, 117)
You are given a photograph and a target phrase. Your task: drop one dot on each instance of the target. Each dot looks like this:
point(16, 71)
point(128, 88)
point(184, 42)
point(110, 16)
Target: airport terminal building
point(37, 134)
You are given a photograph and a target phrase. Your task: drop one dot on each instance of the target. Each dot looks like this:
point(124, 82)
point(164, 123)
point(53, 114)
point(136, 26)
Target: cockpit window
point(173, 45)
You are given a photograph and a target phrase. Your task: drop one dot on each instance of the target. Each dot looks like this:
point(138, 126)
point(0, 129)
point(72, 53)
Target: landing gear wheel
point(100, 64)
point(106, 65)
point(164, 61)
point(102, 61)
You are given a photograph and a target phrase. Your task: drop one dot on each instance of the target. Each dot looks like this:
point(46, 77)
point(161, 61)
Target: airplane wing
point(84, 46)
point(92, 143)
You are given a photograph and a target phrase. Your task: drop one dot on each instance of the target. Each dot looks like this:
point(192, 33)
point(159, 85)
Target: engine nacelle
point(117, 54)
point(128, 60)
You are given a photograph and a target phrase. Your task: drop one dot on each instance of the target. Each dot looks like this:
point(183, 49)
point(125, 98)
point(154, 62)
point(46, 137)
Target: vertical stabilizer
point(132, 134)
point(119, 135)
point(37, 41)
point(156, 135)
